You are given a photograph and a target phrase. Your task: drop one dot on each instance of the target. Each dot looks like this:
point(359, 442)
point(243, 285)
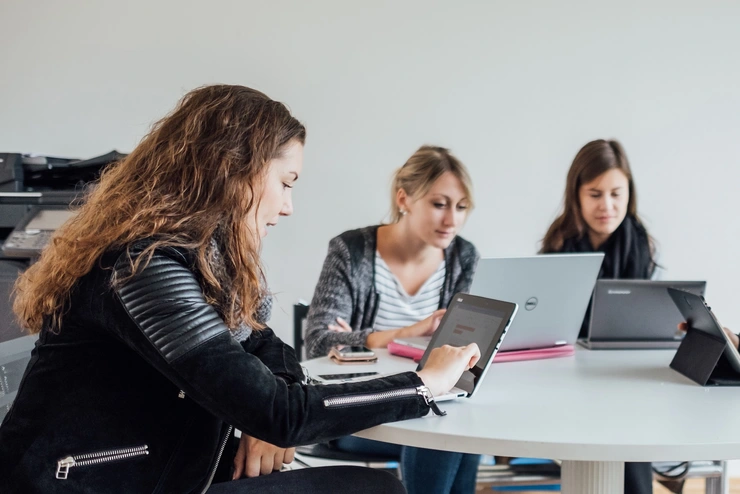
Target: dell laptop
point(552, 291)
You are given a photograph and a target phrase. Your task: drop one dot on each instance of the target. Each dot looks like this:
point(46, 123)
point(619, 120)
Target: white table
point(594, 411)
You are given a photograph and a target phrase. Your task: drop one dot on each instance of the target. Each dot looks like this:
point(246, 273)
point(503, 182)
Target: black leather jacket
point(140, 388)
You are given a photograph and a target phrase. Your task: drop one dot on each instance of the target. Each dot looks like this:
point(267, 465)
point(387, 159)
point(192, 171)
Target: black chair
point(300, 313)
point(326, 453)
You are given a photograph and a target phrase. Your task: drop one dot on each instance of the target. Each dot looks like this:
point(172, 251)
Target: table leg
point(592, 477)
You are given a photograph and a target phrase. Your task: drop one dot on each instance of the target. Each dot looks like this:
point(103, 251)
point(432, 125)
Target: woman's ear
point(402, 201)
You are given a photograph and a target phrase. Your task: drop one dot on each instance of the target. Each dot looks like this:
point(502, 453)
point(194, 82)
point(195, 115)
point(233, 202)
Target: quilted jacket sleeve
point(179, 333)
point(275, 354)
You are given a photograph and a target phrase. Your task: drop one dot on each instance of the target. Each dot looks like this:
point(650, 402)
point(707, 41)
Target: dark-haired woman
point(600, 215)
point(152, 347)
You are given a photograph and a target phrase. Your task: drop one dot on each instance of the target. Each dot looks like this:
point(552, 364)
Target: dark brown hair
point(196, 176)
point(594, 159)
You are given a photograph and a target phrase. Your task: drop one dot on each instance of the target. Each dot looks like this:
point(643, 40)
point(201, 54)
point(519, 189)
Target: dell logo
point(619, 292)
point(531, 303)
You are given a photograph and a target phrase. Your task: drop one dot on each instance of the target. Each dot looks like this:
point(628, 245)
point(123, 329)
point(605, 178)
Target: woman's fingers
point(344, 324)
point(240, 460)
point(338, 329)
point(289, 455)
point(341, 326)
point(472, 352)
point(267, 464)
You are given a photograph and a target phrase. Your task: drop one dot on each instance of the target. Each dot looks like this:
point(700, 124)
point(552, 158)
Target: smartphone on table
point(345, 354)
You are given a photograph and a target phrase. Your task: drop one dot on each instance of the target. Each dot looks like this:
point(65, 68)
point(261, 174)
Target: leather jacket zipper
point(382, 396)
point(97, 458)
point(218, 458)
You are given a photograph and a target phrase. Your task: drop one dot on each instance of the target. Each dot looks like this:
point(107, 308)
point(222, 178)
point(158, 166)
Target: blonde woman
point(396, 280)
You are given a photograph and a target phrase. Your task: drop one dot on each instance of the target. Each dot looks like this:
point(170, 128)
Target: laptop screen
point(472, 320)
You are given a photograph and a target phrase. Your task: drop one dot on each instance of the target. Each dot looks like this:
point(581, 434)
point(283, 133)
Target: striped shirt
point(396, 308)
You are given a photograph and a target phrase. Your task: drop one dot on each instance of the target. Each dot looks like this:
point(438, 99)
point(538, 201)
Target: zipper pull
point(63, 467)
point(429, 399)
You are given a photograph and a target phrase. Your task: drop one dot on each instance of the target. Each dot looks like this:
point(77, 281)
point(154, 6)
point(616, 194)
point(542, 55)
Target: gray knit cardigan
point(346, 288)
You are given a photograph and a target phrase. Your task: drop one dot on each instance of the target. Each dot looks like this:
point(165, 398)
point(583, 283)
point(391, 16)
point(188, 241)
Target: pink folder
point(405, 351)
point(537, 354)
point(512, 356)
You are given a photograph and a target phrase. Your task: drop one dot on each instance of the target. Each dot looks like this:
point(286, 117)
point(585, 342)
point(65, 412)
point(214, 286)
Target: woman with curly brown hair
point(150, 310)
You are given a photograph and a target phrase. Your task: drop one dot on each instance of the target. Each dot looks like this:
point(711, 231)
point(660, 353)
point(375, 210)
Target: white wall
point(514, 88)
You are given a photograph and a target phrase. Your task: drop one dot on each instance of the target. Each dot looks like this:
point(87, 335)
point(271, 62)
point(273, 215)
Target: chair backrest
point(300, 313)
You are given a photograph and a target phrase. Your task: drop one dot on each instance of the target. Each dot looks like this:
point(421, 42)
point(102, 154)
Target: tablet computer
point(471, 319)
point(699, 316)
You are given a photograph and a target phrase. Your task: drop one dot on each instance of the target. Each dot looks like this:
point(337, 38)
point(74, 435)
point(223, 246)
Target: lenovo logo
point(619, 292)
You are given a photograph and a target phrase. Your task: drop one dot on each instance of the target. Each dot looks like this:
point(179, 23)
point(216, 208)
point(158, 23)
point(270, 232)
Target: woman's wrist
point(371, 340)
point(403, 332)
point(410, 331)
point(427, 380)
point(380, 339)
point(430, 381)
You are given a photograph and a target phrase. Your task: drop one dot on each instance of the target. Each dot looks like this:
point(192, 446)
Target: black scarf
point(627, 253)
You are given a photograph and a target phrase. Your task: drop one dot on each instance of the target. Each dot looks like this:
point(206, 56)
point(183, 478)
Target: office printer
point(35, 197)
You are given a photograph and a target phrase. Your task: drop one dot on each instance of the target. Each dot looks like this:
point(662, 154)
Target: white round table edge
point(537, 449)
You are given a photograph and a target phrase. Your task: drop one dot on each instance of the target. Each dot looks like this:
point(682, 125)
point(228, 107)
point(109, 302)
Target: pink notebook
point(512, 356)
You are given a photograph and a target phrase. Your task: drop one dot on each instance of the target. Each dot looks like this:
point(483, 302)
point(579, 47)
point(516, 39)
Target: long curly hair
point(195, 177)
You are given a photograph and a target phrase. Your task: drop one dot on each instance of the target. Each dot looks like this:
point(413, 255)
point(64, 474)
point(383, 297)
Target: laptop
point(471, 319)
point(636, 314)
point(552, 291)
